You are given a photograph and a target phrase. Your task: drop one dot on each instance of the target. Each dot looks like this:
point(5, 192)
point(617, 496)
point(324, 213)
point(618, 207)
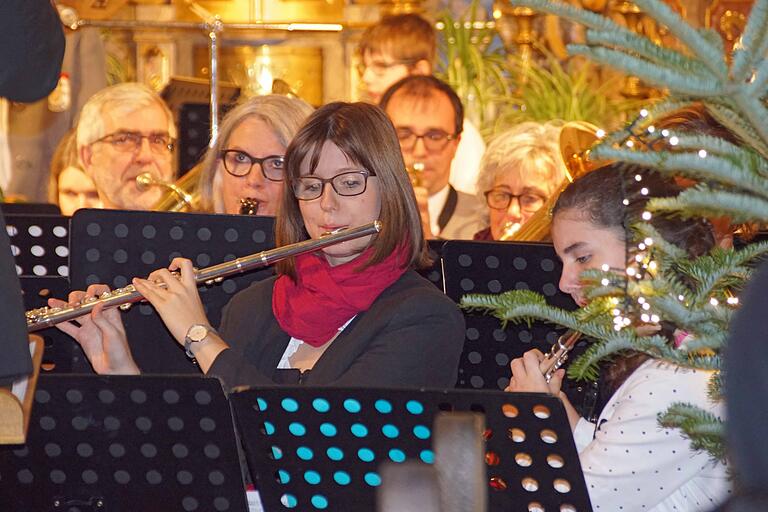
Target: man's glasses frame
point(264, 163)
point(130, 142)
point(434, 140)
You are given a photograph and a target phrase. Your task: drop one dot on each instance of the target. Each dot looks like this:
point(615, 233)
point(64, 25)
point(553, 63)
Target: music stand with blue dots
point(320, 449)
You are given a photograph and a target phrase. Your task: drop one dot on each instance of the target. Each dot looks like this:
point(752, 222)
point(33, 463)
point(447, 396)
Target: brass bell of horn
point(179, 196)
point(576, 140)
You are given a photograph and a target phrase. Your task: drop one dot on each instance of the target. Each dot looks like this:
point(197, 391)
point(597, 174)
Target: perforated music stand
point(40, 246)
point(494, 267)
point(113, 246)
point(123, 443)
point(30, 209)
point(434, 273)
point(315, 449)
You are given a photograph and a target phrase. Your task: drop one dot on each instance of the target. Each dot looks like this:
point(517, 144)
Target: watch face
point(197, 332)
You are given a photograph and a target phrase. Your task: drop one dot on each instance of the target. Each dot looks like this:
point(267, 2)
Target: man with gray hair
point(126, 130)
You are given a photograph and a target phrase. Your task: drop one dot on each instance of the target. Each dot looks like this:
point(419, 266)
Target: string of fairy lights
point(639, 256)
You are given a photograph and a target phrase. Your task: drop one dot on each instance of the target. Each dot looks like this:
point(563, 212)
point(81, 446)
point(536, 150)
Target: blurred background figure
point(404, 45)
point(520, 170)
point(126, 130)
point(35, 129)
point(246, 165)
point(69, 186)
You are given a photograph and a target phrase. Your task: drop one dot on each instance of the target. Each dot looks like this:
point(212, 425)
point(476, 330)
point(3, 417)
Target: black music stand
point(113, 246)
point(30, 209)
point(434, 273)
point(494, 267)
point(40, 246)
point(314, 449)
point(123, 443)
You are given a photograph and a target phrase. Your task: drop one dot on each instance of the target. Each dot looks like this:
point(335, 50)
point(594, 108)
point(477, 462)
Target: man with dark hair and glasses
point(428, 117)
point(124, 131)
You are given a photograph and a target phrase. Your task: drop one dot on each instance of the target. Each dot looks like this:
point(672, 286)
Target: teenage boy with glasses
point(404, 45)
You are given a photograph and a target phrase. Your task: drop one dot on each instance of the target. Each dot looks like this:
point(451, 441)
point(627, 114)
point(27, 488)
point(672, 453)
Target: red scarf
point(324, 298)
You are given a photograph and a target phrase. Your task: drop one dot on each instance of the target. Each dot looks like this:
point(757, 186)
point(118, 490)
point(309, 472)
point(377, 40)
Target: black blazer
point(412, 336)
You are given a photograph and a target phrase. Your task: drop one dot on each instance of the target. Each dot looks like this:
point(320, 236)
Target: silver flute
point(42, 318)
point(558, 354)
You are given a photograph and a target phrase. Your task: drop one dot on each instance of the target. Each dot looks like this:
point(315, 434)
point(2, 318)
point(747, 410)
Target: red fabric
point(324, 297)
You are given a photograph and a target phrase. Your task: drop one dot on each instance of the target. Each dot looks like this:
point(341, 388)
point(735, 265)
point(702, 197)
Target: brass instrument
point(181, 196)
point(509, 230)
point(41, 318)
point(558, 354)
point(576, 139)
point(414, 173)
point(249, 206)
point(176, 199)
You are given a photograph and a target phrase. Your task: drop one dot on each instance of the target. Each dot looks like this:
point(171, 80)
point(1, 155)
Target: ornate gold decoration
point(256, 69)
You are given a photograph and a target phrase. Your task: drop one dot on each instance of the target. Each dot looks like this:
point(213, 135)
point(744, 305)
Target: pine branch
point(734, 122)
point(686, 83)
point(629, 41)
point(757, 88)
point(713, 145)
point(753, 109)
point(564, 10)
point(703, 201)
point(752, 39)
point(671, 251)
point(713, 168)
point(587, 366)
point(708, 53)
point(710, 270)
point(705, 430)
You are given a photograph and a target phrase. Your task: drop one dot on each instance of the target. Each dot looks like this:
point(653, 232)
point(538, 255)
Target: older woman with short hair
point(519, 171)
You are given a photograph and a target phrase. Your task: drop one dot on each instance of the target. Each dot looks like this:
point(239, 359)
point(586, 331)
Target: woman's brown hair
point(366, 136)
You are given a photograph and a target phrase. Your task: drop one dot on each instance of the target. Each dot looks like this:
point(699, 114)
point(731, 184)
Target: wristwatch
point(196, 334)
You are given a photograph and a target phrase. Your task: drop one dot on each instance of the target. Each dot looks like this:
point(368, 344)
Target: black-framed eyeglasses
point(350, 183)
point(499, 199)
point(130, 142)
point(434, 140)
point(239, 163)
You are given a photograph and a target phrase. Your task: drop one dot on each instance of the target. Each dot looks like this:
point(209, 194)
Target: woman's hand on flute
point(100, 333)
point(178, 303)
point(527, 375)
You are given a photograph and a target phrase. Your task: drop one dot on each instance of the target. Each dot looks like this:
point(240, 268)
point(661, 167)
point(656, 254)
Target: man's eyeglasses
point(500, 200)
point(434, 140)
point(350, 183)
point(239, 163)
point(130, 142)
point(380, 68)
